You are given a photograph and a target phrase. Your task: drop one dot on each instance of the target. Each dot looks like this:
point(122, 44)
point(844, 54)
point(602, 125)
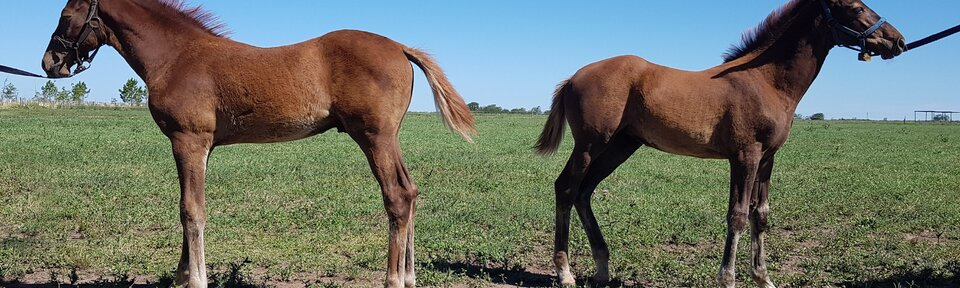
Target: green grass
point(94, 192)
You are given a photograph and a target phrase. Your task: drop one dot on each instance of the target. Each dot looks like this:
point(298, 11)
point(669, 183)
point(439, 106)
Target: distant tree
point(817, 116)
point(9, 92)
point(941, 118)
point(492, 108)
point(474, 106)
point(63, 95)
point(47, 93)
point(535, 110)
point(132, 92)
point(79, 92)
point(798, 116)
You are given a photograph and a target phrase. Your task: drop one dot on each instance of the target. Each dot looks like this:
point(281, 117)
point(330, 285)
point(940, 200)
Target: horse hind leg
point(602, 166)
point(399, 195)
point(410, 275)
point(574, 187)
point(561, 237)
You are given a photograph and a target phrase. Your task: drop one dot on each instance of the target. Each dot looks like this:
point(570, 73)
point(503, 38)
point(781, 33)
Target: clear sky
point(513, 53)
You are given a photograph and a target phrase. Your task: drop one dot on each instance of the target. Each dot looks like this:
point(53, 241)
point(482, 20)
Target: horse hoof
point(567, 281)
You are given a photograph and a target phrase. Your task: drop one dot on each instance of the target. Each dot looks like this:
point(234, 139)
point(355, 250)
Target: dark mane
point(197, 15)
point(767, 31)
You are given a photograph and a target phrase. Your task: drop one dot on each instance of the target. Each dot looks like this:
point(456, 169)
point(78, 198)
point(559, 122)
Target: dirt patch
point(256, 278)
point(790, 263)
point(56, 278)
point(925, 237)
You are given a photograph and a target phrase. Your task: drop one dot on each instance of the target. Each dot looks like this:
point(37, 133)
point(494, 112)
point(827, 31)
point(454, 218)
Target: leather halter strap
point(836, 28)
point(92, 15)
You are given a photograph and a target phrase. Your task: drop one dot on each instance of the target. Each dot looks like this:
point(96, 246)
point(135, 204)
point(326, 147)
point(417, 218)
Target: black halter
point(836, 28)
point(84, 32)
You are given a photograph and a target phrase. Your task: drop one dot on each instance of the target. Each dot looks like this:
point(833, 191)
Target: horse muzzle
point(888, 49)
point(55, 64)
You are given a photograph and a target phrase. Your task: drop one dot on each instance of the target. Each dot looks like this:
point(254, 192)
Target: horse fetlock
point(563, 268)
point(601, 278)
point(761, 277)
point(727, 278)
point(393, 282)
point(410, 281)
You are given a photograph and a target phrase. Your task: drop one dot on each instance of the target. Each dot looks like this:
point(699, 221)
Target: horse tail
point(453, 110)
point(552, 132)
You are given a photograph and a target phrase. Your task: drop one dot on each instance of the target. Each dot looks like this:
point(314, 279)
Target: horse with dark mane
point(207, 90)
point(741, 110)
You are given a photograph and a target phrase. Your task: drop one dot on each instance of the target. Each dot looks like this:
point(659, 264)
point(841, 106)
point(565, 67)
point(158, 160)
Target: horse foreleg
point(410, 277)
point(758, 224)
point(743, 173)
point(190, 151)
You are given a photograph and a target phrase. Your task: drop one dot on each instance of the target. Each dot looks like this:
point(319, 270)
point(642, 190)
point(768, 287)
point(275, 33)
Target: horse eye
point(860, 11)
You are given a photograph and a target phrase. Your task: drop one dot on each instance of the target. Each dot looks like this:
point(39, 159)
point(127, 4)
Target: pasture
point(91, 195)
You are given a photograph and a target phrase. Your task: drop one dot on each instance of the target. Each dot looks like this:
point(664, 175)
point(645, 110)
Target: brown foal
point(741, 111)
point(207, 91)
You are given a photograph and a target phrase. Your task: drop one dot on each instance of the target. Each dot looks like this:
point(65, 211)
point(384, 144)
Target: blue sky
point(513, 53)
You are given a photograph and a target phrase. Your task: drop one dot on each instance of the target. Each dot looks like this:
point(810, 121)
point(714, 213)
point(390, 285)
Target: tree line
point(493, 108)
point(131, 93)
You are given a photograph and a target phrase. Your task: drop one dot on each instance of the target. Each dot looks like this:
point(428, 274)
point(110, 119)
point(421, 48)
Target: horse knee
point(760, 217)
point(737, 220)
point(397, 202)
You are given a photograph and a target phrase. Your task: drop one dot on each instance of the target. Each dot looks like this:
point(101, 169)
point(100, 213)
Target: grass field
point(90, 195)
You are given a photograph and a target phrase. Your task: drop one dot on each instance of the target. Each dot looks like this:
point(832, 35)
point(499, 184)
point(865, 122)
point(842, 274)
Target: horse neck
point(145, 38)
point(793, 61)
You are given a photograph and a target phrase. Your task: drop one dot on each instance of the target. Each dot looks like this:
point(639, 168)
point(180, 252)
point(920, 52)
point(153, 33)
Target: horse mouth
point(893, 49)
point(56, 64)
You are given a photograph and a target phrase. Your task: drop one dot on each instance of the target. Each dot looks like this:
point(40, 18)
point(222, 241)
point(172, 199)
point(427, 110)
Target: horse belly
point(680, 139)
point(274, 128)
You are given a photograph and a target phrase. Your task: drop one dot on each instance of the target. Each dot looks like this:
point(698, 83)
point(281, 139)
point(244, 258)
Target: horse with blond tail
point(207, 91)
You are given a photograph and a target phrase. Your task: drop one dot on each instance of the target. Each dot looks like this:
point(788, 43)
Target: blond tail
point(553, 130)
point(452, 109)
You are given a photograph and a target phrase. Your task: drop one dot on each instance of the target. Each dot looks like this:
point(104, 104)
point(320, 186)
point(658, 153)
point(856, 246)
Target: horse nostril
point(902, 45)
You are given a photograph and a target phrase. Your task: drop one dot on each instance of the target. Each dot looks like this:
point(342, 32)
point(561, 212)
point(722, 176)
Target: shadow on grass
point(163, 283)
point(512, 277)
point(231, 278)
point(927, 277)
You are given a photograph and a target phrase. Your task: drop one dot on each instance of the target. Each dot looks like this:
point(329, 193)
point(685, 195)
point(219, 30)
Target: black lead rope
point(932, 38)
point(15, 71)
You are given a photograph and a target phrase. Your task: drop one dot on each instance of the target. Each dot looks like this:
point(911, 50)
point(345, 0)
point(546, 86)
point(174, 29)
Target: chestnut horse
point(741, 111)
point(207, 91)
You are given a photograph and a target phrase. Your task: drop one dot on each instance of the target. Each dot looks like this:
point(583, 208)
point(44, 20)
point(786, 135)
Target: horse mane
point(197, 15)
point(766, 32)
